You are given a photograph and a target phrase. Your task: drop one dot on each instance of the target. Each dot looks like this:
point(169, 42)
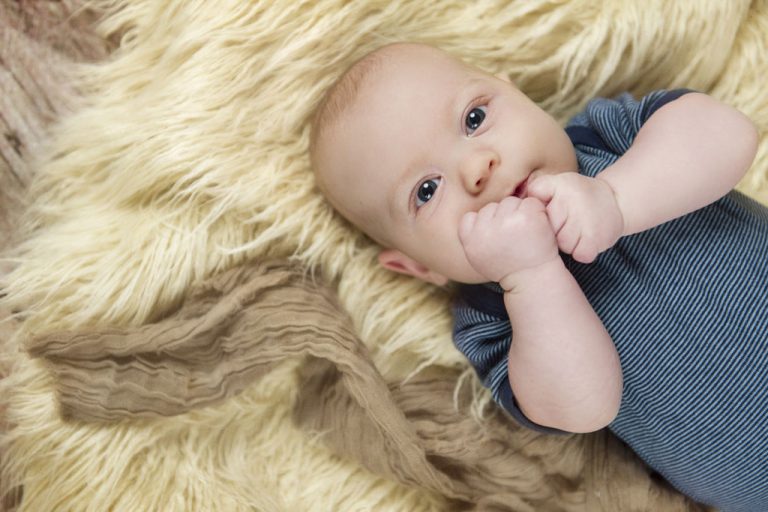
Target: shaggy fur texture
point(190, 156)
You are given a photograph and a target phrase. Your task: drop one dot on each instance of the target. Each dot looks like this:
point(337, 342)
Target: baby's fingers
point(572, 241)
point(585, 251)
point(531, 205)
point(557, 212)
point(568, 238)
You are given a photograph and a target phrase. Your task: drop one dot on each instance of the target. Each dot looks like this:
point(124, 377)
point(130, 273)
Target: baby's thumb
point(541, 186)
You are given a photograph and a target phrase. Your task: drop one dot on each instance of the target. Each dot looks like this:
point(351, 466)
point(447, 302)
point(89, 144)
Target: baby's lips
point(521, 190)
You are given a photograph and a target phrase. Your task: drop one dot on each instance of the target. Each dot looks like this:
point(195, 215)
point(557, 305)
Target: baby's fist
point(506, 237)
point(582, 211)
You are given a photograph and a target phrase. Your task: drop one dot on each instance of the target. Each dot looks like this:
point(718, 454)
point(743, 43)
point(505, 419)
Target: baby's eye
point(474, 119)
point(426, 191)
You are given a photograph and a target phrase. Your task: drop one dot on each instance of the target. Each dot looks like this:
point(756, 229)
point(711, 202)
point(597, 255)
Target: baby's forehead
point(414, 66)
point(425, 87)
point(405, 60)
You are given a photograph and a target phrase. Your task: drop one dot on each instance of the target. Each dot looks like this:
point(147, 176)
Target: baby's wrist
point(523, 279)
point(616, 201)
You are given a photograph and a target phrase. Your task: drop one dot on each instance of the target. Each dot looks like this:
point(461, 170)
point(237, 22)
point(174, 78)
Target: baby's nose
point(477, 170)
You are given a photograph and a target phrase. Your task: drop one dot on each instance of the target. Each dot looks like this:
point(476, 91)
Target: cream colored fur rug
point(190, 156)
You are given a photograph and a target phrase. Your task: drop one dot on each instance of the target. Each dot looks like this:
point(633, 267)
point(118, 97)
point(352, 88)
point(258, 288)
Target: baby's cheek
point(458, 267)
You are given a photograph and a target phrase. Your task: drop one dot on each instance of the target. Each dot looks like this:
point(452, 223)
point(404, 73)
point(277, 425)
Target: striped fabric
point(686, 304)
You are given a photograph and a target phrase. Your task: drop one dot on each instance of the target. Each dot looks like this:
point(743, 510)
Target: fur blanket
point(238, 325)
point(189, 158)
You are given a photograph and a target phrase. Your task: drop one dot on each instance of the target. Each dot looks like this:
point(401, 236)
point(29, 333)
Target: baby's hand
point(506, 237)
point(583, 212)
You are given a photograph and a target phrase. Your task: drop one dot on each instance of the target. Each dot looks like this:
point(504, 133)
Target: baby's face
point(428, 140)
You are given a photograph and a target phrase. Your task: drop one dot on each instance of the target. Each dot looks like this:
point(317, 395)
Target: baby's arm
point(563, 367)
point(688, 154)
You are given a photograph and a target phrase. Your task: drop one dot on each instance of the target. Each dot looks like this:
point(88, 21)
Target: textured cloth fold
point(222, 338)
point(235, 327)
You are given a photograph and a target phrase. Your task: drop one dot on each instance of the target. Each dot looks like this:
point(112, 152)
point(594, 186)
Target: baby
point(611, 277)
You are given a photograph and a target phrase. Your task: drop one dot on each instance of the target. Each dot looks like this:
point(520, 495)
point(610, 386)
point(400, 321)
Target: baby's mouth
point(520, 189)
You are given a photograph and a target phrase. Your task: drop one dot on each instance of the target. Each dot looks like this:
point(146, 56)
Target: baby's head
point(409, 139)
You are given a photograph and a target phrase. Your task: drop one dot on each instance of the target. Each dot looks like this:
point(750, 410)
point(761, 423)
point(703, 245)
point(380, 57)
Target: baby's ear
point(396, 261)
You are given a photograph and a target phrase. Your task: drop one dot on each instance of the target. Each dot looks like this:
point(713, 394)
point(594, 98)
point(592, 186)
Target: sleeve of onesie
point(608, 127)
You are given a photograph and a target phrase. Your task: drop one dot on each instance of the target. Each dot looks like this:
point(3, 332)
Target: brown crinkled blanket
point(235, 327)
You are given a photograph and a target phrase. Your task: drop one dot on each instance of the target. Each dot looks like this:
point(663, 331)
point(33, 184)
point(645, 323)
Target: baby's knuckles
point(509, 236)
point(592, 209)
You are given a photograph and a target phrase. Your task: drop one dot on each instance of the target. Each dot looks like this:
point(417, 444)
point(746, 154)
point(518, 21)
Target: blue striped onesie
point(686, 304)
